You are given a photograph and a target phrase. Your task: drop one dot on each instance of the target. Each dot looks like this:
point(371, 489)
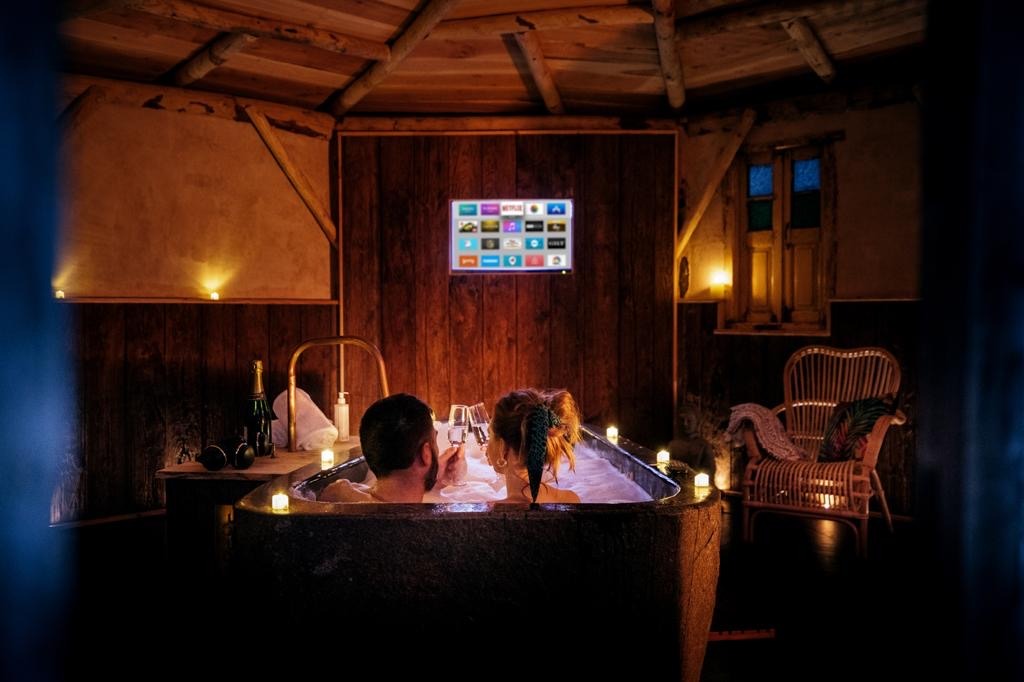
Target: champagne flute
point(480, 424)
point(458, 424)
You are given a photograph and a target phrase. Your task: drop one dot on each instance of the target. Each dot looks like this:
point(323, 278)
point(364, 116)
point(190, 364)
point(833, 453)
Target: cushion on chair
point(849, 427)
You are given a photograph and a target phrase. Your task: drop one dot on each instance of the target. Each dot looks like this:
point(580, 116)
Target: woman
point(531, 432)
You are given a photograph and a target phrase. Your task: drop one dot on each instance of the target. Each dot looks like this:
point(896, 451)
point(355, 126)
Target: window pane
point(806, 210)
point(759, 215)
point(759, 181)
point(806, 175)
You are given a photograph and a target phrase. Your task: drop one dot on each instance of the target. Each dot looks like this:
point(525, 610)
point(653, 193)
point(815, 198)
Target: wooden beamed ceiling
point(479, 56)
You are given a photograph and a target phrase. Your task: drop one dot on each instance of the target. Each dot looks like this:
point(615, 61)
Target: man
point(399, 441)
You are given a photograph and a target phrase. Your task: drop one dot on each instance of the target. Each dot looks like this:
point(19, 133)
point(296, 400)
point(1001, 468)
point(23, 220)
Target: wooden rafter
point(668, 51)
point(90, 8)
point(80, 109)
point(810, 47)
point(235, 22)
point(542, 78)
point(576, 17)
point(294, 174)
point(211, 56)
point(721, 165)
point(419, 29)
point(199, 103)
point(777, 12)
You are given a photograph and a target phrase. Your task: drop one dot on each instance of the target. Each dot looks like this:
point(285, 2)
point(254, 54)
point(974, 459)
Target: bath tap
point(329, 341)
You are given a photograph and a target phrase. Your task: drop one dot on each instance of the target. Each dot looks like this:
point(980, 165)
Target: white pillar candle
point(613, 434)
point(279, 502)
point(663, 457)
point(701, 480)
point(326, 458)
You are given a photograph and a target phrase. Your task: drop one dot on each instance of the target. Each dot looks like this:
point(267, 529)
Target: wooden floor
point(796, 604)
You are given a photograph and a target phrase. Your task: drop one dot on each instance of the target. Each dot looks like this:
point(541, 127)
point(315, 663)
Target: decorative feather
point(850, 426)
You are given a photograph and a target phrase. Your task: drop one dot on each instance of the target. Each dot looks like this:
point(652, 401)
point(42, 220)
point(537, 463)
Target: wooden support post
point(212, 56)
point(542, 77)
point(294, 174)
point(80, 109)
point(234, 22)
point(810, 47)
point(418, 30)
point(722, 163)
point(575, 17)
point(668, 51)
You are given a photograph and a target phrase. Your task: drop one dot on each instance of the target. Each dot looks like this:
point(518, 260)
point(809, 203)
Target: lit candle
point(613, 434)
point(701, 481)
point(326, 458)
point(279, 502)
point(663, 457)
point(59, 293)
point(719, 278)
point(214, 296)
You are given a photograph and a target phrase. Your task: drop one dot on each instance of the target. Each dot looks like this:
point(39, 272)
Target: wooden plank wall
point(604, 332)
point(717, 371)
point(151, 376)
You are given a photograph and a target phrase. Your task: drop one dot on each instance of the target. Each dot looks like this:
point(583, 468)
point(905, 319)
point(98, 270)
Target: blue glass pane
point(759, 181)
point(806, 175)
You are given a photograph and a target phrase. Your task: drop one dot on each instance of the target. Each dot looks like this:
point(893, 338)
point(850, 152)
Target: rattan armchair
point(816, 379)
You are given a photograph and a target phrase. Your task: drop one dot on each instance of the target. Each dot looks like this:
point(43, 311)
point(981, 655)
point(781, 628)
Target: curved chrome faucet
point(329, 341)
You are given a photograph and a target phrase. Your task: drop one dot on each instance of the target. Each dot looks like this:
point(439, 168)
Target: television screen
point(511, 235)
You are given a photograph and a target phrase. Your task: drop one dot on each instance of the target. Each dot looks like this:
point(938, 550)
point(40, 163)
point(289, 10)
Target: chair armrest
point(873, 446)
point(779, 409)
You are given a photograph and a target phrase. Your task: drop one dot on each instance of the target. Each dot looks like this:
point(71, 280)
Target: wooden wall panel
point(477, 337)
point(151, 377)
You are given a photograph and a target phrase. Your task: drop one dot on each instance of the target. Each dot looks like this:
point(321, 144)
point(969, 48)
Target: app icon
point(535, 261)
point(556, 242)
point(535, 243)
point(467, 261)
point(490, 261)
point(511, 208)
point(556, 209)
point(556, 226)
point(490, 226)
point(556, 260)
point(513, 261)
point(490, 209)
point(467, 245)
point(467, 209)
point(534, 225)
point(490, 243)
point(511, 226)
point(534, 209)
point(513, 243)
point(468, 225)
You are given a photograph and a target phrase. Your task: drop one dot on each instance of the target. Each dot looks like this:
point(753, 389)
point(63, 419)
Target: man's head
point(393, 434)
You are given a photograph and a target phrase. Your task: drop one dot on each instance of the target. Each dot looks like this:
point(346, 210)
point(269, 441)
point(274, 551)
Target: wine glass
point(479, 422)
point(458, 424)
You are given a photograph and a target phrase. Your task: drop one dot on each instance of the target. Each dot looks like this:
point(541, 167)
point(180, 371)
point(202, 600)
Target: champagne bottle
point(258, 415)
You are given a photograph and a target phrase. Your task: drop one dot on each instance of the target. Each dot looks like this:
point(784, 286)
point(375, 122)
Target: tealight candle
point(279, 502)
point(214, 296)
point(59, 293)
point(701, 480)
point(326, 458)
point(663, 457)
point(613, 434)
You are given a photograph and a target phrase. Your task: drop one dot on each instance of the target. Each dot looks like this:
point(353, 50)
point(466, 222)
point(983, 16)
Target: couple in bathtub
point(531, 432)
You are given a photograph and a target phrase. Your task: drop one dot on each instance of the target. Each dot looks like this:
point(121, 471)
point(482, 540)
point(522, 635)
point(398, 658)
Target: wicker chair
point(816, 379)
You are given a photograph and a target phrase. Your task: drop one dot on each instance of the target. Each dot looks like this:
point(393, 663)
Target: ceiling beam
point(668, 51)
point(378, 125)
point(210, 57)
point(295, 176)
point(725, 156)
point(542, 78)
point(780, 10)
point(576, 17)
point(234, 22)
point(201, 103)
point(810, 47)
point(418, 30)
point(89, 8)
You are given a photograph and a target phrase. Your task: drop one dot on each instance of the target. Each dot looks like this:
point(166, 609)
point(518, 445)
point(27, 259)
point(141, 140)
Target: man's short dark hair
point(392, 430)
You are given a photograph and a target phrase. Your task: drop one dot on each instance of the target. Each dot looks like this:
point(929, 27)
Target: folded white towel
point(313, 430)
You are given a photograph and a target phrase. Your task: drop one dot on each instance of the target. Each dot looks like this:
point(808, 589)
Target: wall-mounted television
point(511, 236)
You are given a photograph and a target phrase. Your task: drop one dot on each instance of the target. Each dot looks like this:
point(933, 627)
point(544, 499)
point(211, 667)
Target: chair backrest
point(817, 378)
